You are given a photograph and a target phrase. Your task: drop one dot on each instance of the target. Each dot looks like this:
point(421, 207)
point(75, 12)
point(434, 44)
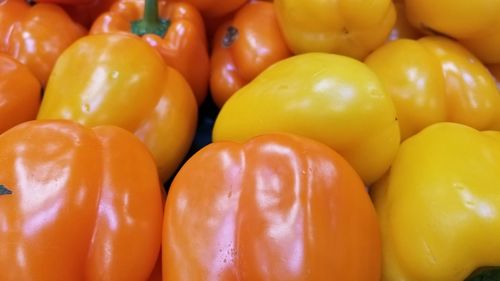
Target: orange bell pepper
point(19, 93)
point(244, 47)
point(65, 2)
point(86, 13)
point(278, 207)
point(216, 8)
point(175, 29)
point(118, 79)
point(36, 35)
point(77, 203)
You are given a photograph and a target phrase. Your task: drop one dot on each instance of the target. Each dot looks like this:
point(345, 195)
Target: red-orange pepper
point(65, 2)
point(175, 29)
point(244, 47)
point(86, 13)
point(216, 8)
point(36, 35)
point(19, 93)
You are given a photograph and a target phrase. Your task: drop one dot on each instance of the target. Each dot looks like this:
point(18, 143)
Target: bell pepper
point(495, 71)
point(334, 99)
point(244, 47)
point(474, 23)
point(435, 79)
point(347, 27)
point(36, 35)
point(174, 29)
point(19, 93)
point(278, 207)
point(118, 79)
point(77, 203)
point(87, 13)
point(216, 8)
point(439, 206)
point(402, 28)
point(65, 2)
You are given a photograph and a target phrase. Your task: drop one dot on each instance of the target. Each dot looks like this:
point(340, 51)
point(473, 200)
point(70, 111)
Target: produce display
point(248, 140)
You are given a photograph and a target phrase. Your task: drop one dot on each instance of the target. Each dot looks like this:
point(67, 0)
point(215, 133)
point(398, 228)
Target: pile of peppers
point(292, 140)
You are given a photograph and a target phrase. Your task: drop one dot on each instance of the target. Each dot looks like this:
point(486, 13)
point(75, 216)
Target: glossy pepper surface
point(216, 8)
point(175, 29)
point(77, 203)
point(19, 93)
point(347, 27)
point(278, 207)
point(474, 23)
point(439, 206)
point(87, 13)
point(118, 79)
point(244, 47)
point(435, 79)
point(334, 99)
point(495, 71)
point(36, 35)
point(402, 28)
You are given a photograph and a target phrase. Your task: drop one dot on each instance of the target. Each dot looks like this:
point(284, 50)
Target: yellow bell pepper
point(118, 79)
point(475, 24)
point(435, 79)
point(334, 99)
point(439, 206)
point(348, 27)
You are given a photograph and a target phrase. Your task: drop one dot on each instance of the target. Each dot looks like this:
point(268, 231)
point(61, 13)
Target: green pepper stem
point(151, 23)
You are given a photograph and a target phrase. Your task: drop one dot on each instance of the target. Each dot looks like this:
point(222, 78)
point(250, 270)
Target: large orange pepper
point(19, 93)
point(216, 8)
point(36, 35)
point(278, 207)
point(77, 203)
point(244, 47)
point(175, 29)
point(87, 13)
point(118, 79)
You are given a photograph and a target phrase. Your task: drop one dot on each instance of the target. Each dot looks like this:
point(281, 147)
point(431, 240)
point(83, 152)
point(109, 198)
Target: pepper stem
point(151, 23)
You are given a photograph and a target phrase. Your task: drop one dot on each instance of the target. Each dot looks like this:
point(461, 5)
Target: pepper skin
point(19, 93)
point(347, 27)
point(435, 79)
point(402, 28)
point(216, 8)
point(85, 14)
point(334, 99)
point(439, 206)
point(495, 71)
point(77, 203)
point(118, 79)
point(36, 35)
point(475, 24)
point(66, 2)
point(182, 44)
point(278, 207)
point(244, 47)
